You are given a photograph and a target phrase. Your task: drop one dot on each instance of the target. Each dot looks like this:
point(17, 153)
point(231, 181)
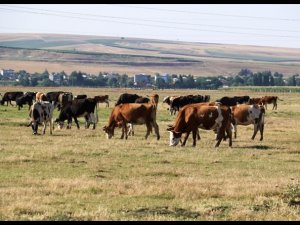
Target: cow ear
point(170, 129)
point(104, 128)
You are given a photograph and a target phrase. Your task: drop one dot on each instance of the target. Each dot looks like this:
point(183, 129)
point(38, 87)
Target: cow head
point(109, 131)
point(60, 123)
point(174, 136)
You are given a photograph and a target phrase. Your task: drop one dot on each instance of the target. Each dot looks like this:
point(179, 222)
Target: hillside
point(92, 54)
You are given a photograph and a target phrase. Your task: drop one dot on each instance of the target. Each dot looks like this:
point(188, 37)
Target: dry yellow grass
point(80, 175)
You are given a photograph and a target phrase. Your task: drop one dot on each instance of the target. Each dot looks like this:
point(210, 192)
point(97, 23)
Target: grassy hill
point(92, 54)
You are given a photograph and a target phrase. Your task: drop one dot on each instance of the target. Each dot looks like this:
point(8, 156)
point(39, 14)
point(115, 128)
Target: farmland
point(94, 54)
point(80, 175)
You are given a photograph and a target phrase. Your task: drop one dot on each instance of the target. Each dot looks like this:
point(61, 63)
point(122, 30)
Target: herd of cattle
point(194, 111)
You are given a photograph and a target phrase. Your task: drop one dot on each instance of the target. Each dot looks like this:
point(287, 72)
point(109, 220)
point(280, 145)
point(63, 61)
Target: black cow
point(78, 108)
point(11, 96)
point(63, 99)
point(127, 98)
point(232, 101)
point(53, 97)
point(27, 98)
point(80, 97)
point(181, 101)
point(142, 100)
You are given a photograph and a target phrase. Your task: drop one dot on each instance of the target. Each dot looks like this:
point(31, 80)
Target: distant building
point(142, 80)
point(7, 73)
point(55, 77)
point(166, 77)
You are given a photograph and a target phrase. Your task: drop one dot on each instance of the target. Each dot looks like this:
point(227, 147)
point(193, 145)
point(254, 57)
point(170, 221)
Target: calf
point(194, 116)
point(249, 114)
point(78, 108)
point(41, 113)
point(11, 96)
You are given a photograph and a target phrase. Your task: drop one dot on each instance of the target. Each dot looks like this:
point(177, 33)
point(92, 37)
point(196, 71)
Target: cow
point(169, 100)
point(53, 97)
point(181, 101)
point(40, 96)
point(41, 113)
point(103, 99)
point(80, 97)
point(78, 108)
point(133, 113)
point(231, 101)
point(127, 98)
point(270, 100)
point(199, 115)
point(249, 114)
point(10, 96)
point(27, 98)
point(63, 99)
point(142, 100)
point(255, 101)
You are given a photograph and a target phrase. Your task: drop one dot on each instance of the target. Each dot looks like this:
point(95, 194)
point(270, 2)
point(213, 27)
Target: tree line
point(245, 77)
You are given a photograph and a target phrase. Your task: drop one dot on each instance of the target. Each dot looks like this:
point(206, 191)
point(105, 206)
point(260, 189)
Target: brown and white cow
point(199, 115)
point(249, 114)
point(41, 113)
point(270, 100)
point(133, 113)
point(40, 96)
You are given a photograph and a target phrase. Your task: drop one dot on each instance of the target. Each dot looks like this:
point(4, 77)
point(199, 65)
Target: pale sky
point(275, 25)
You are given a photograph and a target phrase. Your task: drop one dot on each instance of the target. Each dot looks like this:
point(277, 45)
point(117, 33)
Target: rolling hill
point(94, 54)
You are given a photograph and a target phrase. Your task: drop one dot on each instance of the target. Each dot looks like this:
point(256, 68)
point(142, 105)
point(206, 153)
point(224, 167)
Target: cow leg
point(44, 129)
point(156, 129)
point(76, 121)
point(107, 103)
point(10, 103)
point(149, 128)
point(229, 134)
point(194, 136)
point(261, 129)
point(255, 130)
point(93, 120)
point(198, 135)
point(87, 122)
point(185, 138)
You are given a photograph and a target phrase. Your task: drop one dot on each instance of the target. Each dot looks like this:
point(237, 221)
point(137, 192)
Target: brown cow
point(269, 100)
point(133, 113)
point(102, 99)
point(40, 96)
point(255, 101)
point(199, 115)
point(249, 114)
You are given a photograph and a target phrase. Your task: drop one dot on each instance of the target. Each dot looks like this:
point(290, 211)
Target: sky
point(276, 25)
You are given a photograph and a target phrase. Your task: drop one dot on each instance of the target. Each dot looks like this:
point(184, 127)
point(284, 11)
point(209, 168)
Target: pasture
point(80, 175)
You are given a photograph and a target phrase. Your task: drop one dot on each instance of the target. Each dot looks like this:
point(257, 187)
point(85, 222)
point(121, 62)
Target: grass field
point(80, 175)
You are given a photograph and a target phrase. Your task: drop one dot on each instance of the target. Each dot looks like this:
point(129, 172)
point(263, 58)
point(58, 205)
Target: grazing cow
point(194, 116)
point(27, 98)
point(80, 97)
point(133, 113)
point(249, 114)
point(181, 101)
point(269, 100)
point(103, 99)
point(127, 98)
point(231, 101)
point(63, 99)
point(78, 108)
point(10, 96)
point(40, 96)
point(41, 113)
